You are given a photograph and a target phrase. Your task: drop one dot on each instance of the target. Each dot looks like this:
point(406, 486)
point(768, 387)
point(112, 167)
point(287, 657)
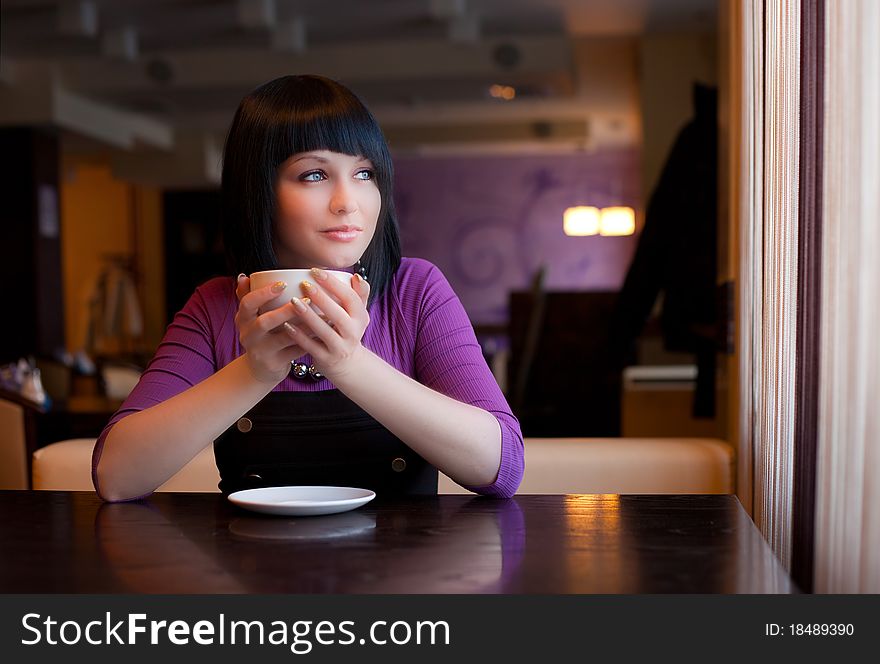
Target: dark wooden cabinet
point(31, 265)
point(572, 380)
point(193, 244)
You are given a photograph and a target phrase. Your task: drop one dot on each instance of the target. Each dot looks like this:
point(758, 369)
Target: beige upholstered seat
point(623, 465)
point(67, 466)
point(119, 379)
point(553, 465)
point(13, 445)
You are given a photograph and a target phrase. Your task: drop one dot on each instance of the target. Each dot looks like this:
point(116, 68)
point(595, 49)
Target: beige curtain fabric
point(847, 544)
point(749, 246)
point(768, 305)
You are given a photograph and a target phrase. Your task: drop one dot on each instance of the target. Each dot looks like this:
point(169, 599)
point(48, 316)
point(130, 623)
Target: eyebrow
point(310, 156)
point(322, 159)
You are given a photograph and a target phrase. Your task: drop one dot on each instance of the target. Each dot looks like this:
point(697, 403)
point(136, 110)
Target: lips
point(342, 233)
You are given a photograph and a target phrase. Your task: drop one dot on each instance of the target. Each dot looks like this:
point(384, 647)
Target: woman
point(397, 386)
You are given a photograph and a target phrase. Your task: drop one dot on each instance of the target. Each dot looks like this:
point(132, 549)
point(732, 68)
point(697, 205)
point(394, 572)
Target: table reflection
point(469, 545)
point(326, 528)
point(148, 552)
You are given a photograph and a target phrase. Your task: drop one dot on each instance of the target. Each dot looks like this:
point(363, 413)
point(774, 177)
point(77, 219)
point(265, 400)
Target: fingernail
point(278, 286)
point(240, 277)
point(290, 328)
point(307, 286)
point(301, 304)
point(319, 274)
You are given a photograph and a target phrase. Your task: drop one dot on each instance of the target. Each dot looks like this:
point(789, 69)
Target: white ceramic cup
point(293, 278)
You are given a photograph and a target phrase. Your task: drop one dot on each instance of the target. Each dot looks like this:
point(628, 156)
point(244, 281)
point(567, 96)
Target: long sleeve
point(184, 358)
point(448, 359)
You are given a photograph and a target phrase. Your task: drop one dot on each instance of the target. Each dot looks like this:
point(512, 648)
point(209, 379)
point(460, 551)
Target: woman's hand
point(269, 350)
point(334, 338)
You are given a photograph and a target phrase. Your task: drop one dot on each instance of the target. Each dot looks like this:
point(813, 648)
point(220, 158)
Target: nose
point(343, 200)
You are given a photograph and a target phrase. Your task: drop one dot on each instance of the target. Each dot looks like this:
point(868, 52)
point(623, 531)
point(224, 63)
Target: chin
point(352, 256)
point(339, 262)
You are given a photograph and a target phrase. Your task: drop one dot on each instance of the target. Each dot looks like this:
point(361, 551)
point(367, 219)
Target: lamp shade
point(581, 220)
point(617, 221)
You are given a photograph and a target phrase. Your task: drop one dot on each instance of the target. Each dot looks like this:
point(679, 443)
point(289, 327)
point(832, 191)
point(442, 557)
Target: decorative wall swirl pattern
point(490, 222)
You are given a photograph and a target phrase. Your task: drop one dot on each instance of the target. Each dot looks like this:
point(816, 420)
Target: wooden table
point(71, 542)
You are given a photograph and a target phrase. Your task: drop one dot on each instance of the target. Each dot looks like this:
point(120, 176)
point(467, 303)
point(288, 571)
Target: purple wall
point(490, 222)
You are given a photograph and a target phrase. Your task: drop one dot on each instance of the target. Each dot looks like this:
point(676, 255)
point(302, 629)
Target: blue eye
point(365, 174)
point(313, 176)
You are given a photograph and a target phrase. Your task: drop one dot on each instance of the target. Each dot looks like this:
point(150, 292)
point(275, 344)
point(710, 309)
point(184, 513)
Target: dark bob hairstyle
point(281, 118)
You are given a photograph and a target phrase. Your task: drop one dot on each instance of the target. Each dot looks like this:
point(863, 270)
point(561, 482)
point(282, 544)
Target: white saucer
point(302, 500)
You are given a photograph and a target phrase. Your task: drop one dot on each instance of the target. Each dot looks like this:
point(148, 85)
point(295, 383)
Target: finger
point(285, 346)
point(277, 317)
point(327, 328)
point(279, 344)
point(362, 287)
point(328, 307)
point(292, 352)
point(252, 301)
point(339, 291)
point(242, 286)
point(278, 340)
point(305, 340)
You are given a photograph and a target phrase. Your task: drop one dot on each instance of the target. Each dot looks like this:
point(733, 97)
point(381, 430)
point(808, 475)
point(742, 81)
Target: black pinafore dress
point(318, 438)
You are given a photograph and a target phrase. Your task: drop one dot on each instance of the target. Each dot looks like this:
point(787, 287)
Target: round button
point(244, 425)
point(398, 465)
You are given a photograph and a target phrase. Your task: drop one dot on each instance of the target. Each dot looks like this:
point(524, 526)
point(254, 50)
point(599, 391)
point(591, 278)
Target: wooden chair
point(534, 325)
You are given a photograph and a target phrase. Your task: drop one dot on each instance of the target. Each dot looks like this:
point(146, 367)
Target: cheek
point(375, 204)
point(291, 208)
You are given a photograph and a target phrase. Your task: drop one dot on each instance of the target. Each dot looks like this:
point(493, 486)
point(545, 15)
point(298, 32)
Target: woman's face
point(327, 209)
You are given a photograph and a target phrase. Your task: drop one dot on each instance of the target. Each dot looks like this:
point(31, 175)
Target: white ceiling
point(166, 70)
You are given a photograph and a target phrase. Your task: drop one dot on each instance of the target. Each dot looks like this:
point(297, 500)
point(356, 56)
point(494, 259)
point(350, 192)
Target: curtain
point(847, 537)
point(769, 264)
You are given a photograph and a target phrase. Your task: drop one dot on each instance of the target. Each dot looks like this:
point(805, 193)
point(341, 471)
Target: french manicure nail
point(318, 273)
point(290, 328)
point(278, 286)
point(301, 304)
point(240, 277)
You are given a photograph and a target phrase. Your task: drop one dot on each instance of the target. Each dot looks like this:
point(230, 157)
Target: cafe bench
point(623, 465)
point(553, 465)
point(67, 466)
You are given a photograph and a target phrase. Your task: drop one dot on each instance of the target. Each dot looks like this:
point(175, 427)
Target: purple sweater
point(418, 326)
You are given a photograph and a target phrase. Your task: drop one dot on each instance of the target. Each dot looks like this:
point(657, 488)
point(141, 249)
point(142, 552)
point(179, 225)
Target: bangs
point(315, 116)
point(351, 136)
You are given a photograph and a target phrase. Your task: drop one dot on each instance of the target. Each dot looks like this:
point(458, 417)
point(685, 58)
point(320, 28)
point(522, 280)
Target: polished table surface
point(71, 542)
